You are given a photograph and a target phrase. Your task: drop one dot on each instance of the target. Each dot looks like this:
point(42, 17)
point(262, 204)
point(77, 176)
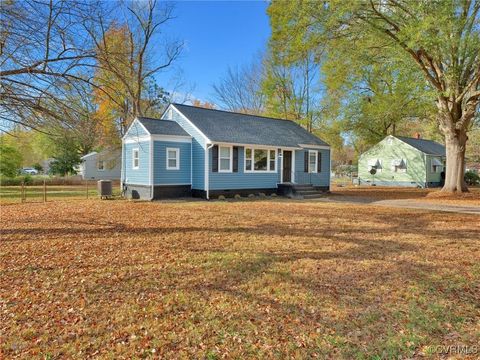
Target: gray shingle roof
point(426, 146)
point(162, 127)
point(229, 127)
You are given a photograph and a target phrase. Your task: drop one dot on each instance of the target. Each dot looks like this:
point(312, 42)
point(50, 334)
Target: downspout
point(207, 171)
point(122, 172)
point(330, 169)
point(426, 169)
point(151, 169)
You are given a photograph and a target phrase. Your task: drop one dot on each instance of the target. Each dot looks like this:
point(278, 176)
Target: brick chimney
point(417, 135)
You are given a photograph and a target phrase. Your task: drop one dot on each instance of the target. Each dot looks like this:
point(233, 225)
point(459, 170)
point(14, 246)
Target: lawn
point(429, 195)
point(249, 279)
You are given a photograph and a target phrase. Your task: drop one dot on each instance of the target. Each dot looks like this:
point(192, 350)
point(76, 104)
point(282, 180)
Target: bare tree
point(42, 50)
point(241, 89)
point(125, 72)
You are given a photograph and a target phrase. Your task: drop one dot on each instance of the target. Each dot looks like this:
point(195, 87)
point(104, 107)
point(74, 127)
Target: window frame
point(433, 166)
point(379, 169)
point(230, 158)
point(316, 161)
point(137, 158)
point(103, 165)
point(252, 158)
point(177, 158)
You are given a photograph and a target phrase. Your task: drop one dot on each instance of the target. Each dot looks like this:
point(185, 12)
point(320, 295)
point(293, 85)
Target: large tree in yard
point(440, 38)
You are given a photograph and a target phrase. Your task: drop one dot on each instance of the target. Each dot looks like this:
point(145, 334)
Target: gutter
point(207, 170)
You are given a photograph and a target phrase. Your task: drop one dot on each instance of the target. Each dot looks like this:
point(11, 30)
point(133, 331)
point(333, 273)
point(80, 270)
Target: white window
point(375, 164)
point(135, 159)
point(248, 159)
point(173, 158)
point(272, 160)
point(260, 160)
point(100, 165)
point(170, 114)
point(312, 161)
point(437, 165)
point(225, 159)
point(399, 165)
point(260, 157)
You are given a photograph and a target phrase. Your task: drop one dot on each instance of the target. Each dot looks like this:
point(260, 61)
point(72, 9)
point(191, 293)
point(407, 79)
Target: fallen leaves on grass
point(282, 279)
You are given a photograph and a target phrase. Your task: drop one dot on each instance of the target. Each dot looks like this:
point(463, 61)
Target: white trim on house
point(207, 140)
point(137, 158)
point(133, 122)
point(257, 146)
point(174, 184)
point(165, 138)
point(122, 169)
point(252, 170)
point(151, 165)
point(293, 167)
point(310, 170)
point(206, 169)
point(173, 138)
point(324, 147)
point(220, 158)
point(177, 158)
point(191, 163)
point(88, 155)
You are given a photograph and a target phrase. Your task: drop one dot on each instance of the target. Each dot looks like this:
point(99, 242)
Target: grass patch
point(276, 279)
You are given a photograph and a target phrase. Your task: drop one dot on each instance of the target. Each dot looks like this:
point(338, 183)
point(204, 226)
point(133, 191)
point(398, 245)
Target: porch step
point(300, 191)
point(307, 191)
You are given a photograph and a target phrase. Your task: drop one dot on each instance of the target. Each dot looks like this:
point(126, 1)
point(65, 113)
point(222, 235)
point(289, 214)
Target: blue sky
point(218, 34)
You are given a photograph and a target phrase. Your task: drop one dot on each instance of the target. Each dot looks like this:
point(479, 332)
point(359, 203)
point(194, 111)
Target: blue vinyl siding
point(136, 130)
point(140, 176)
point(198, 151)
point(240, 179)
point(162, 176)
point(318, 179)
point(198, 165)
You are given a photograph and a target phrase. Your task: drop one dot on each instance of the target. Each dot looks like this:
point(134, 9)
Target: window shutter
point(305, 158)
point(235, 159)
point(215, 158)
point(319, 162)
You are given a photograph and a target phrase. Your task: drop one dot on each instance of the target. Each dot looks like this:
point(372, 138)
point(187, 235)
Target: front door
point(287, 166)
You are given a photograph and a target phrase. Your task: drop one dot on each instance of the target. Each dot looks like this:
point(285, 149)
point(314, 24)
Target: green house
point(403, 161)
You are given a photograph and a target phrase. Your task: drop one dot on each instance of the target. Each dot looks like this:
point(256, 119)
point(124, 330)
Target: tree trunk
point(455, 143)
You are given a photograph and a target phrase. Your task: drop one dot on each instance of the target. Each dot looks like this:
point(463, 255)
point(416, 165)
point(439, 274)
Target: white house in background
point(103, 165)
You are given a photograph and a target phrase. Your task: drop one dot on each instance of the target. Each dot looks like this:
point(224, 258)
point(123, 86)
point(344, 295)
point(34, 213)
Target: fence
point(22, 193)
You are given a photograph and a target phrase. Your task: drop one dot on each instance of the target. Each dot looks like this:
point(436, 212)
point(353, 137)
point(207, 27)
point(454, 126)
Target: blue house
point(200, 152)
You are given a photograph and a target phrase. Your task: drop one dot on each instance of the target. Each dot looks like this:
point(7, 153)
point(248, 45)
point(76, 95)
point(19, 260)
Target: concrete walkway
point(405, 203)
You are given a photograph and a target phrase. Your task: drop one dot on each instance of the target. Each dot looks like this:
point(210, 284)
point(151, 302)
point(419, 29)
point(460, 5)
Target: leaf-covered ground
point(260, 279)
point(431, 195)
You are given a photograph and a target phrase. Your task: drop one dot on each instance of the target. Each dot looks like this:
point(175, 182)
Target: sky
point(217, 34)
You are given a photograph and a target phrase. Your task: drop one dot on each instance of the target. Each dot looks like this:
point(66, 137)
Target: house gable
point(388, 152)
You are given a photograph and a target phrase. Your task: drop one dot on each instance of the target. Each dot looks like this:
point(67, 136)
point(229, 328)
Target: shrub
point(16, 181)
point(221, 197)
point(251, 196)
point(472, 178)
point(10, 160)
point(237, 196)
